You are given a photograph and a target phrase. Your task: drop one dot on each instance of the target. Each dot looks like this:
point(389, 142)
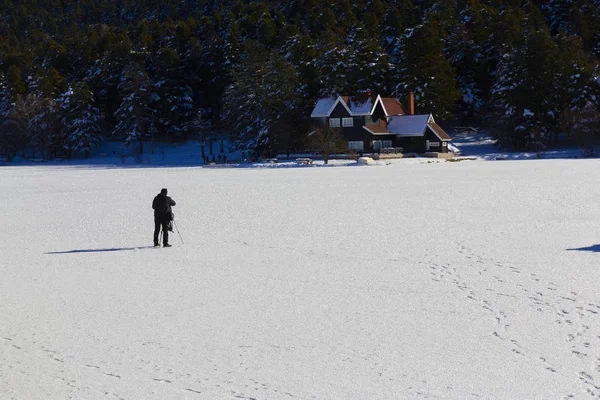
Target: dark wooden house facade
point(372, 124)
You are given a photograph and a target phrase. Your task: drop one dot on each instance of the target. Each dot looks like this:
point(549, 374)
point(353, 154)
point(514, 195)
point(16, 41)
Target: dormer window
point(334, 122)
point(346, 122)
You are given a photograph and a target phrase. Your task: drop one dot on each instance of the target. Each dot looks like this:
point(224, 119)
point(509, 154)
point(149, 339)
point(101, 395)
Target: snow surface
point(482, 146)
point(413, 279)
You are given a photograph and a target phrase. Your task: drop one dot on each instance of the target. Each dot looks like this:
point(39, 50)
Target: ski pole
point(178, 232)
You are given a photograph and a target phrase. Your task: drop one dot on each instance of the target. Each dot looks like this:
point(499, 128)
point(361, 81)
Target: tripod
point(160, 235)
point(175, 225)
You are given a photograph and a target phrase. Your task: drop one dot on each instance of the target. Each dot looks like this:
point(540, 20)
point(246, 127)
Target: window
point(444, 144)
point(347, 121)
point(386, 143)
point(434, 144)
point(334, 122)
point(357, 145)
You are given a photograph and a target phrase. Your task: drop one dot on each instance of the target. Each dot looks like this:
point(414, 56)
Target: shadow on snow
point(595, 248)
point(100, 250)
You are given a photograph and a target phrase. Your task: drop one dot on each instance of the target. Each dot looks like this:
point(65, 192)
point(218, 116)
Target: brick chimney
point(411, 103)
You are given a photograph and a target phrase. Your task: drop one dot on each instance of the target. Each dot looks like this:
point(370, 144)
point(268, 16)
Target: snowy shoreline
point(478, 147)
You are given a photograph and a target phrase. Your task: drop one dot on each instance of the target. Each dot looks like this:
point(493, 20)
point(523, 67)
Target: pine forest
point(74, 73)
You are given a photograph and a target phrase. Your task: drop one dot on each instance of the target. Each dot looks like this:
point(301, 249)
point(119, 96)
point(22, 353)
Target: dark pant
point(160, 223)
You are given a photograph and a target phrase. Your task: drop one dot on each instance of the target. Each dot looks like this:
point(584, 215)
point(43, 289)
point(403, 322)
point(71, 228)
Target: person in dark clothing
point(162, 216)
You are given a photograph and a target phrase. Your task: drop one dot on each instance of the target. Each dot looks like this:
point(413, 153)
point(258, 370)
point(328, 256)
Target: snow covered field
point(407, 280)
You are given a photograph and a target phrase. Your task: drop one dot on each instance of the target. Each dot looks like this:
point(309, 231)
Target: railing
point(391, 150)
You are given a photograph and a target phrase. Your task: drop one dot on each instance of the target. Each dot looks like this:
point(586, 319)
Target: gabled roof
point(439, 132)
point(323, 107)
point(363, 104)
point(392, 106)
point(409, 125)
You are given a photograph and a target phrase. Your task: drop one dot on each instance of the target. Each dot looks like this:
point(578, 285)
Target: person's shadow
point(594, 248)
point(100, 250)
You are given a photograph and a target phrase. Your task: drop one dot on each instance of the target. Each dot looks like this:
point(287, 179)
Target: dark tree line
point(74, 72)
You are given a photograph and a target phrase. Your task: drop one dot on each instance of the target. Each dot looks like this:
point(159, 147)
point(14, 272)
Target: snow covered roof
point(409, 125)
point(361, 104)
point(324, 107)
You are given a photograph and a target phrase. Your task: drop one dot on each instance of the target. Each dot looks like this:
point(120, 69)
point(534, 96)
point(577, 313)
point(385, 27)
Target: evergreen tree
point(15, 85)
point(267, 32)
point(134, 115)
point(174, 101)
point(213, 63)
point(302, 53)
point(524, 93)
point(11, 139)
point(399, 15)
point(45, 98)
point(368, 66)
point(465, 48)
point(104, 77)
point(81, 120)
point(12, 87)
point(428, 73)
point(332, 61)
point(258, 100)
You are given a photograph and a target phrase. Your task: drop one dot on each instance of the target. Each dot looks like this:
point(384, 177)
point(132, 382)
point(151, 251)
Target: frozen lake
point(465, 280)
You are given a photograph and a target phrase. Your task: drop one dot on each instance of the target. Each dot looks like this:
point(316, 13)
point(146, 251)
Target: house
point(374, 124)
